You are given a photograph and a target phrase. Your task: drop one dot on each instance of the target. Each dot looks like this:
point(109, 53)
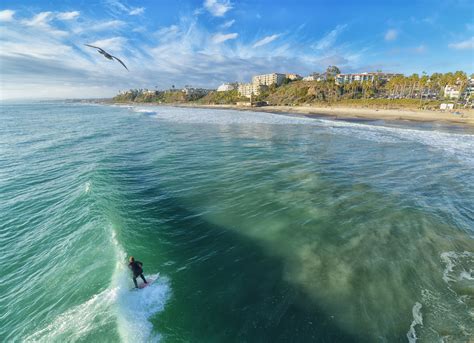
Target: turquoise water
point(263, 227)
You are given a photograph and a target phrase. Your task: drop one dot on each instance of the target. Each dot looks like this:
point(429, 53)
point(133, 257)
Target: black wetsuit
point(136, 267)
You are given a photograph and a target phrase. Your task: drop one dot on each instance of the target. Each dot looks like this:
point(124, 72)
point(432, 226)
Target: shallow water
point(263, 227)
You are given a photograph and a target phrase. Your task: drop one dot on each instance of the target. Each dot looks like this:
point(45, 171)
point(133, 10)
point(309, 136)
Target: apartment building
point(245, 89)
point(268, 79)
point(249, 89)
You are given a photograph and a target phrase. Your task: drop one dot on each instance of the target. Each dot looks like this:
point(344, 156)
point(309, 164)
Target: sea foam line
point(459, 145)
point(417, 320)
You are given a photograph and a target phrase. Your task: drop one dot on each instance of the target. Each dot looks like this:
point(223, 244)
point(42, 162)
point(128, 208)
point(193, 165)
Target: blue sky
point(204, 43)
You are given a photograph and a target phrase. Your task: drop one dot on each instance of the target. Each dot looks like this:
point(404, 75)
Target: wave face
point(263, 227)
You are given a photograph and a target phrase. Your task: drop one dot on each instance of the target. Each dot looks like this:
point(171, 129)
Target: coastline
point(464, 117)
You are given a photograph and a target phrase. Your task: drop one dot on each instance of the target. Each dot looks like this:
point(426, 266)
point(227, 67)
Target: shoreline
point(464, 118)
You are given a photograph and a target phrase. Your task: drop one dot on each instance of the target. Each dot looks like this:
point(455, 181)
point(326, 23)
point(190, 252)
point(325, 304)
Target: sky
point(204, 43)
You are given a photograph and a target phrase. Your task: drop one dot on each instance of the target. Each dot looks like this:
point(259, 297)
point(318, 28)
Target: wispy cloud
point(106, 25)
point(67, 15)
point(221, 37)
point(391, 35)
point(266, 40)
point(217, 8)
point(7, 15)
point(228, 24)
point(329, 39)
point(137, 11)
point(467, 44)
point(41, 19)
point(114, 43)
point(119, 7)
point(186, 52)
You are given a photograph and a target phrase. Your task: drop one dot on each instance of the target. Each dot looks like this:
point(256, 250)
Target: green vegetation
point(174, 96)
point(425, 91)
point(222, 98)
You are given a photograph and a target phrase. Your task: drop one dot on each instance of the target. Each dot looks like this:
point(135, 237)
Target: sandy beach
point(460, 117)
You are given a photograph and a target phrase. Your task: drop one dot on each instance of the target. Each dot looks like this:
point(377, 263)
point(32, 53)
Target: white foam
point(79, 320)
point(453, 270)
point(143, 110)
point(458, 145)
point(87, 187)
point(131, 310)
point(417, 320)
point(135, 308)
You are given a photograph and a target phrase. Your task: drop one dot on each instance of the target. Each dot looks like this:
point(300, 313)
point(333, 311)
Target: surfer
point(137, 270)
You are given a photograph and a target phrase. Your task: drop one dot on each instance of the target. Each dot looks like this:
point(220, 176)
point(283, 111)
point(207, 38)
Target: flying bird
point(106, 54)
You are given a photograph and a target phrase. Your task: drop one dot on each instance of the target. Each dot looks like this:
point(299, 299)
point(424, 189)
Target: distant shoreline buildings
point(261, 82)
point(362, 77)
point(327, 86)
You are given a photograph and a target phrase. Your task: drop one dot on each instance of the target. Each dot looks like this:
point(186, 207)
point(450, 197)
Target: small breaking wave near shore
point(117, 305)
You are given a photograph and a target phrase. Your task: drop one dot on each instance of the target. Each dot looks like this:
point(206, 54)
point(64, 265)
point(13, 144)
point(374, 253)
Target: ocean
point(262, 227)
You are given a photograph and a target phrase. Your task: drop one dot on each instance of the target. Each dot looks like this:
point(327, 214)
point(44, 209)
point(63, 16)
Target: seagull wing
point(102, 51)
point(92, 46)
point(120, 62)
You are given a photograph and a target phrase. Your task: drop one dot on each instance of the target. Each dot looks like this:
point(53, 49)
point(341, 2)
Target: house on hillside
point(451, 92)
point(225, 87)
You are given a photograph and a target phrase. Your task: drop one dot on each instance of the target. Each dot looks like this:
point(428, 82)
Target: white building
point(249, 89)
point(315, 77)
point(451, 92)
point(195, 91)
point(293, 76)
point(225, 87)
point(245, 89)
point(361, 77)
point(268, 79)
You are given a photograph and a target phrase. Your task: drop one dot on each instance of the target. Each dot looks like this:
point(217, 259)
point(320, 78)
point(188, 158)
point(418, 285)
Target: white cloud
point(166, 31)
point(136, 11)
point(41, 19)
point(114, 43)
point(228, 24)
point(329, 40)
point(467, 44)
point(391, 35)
point(218, 8)
point(106, 25)
point(266, 40)
point(6, 15)
point(67, 15)
point(221, 37)
point(183, 53)
point(119, 7)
